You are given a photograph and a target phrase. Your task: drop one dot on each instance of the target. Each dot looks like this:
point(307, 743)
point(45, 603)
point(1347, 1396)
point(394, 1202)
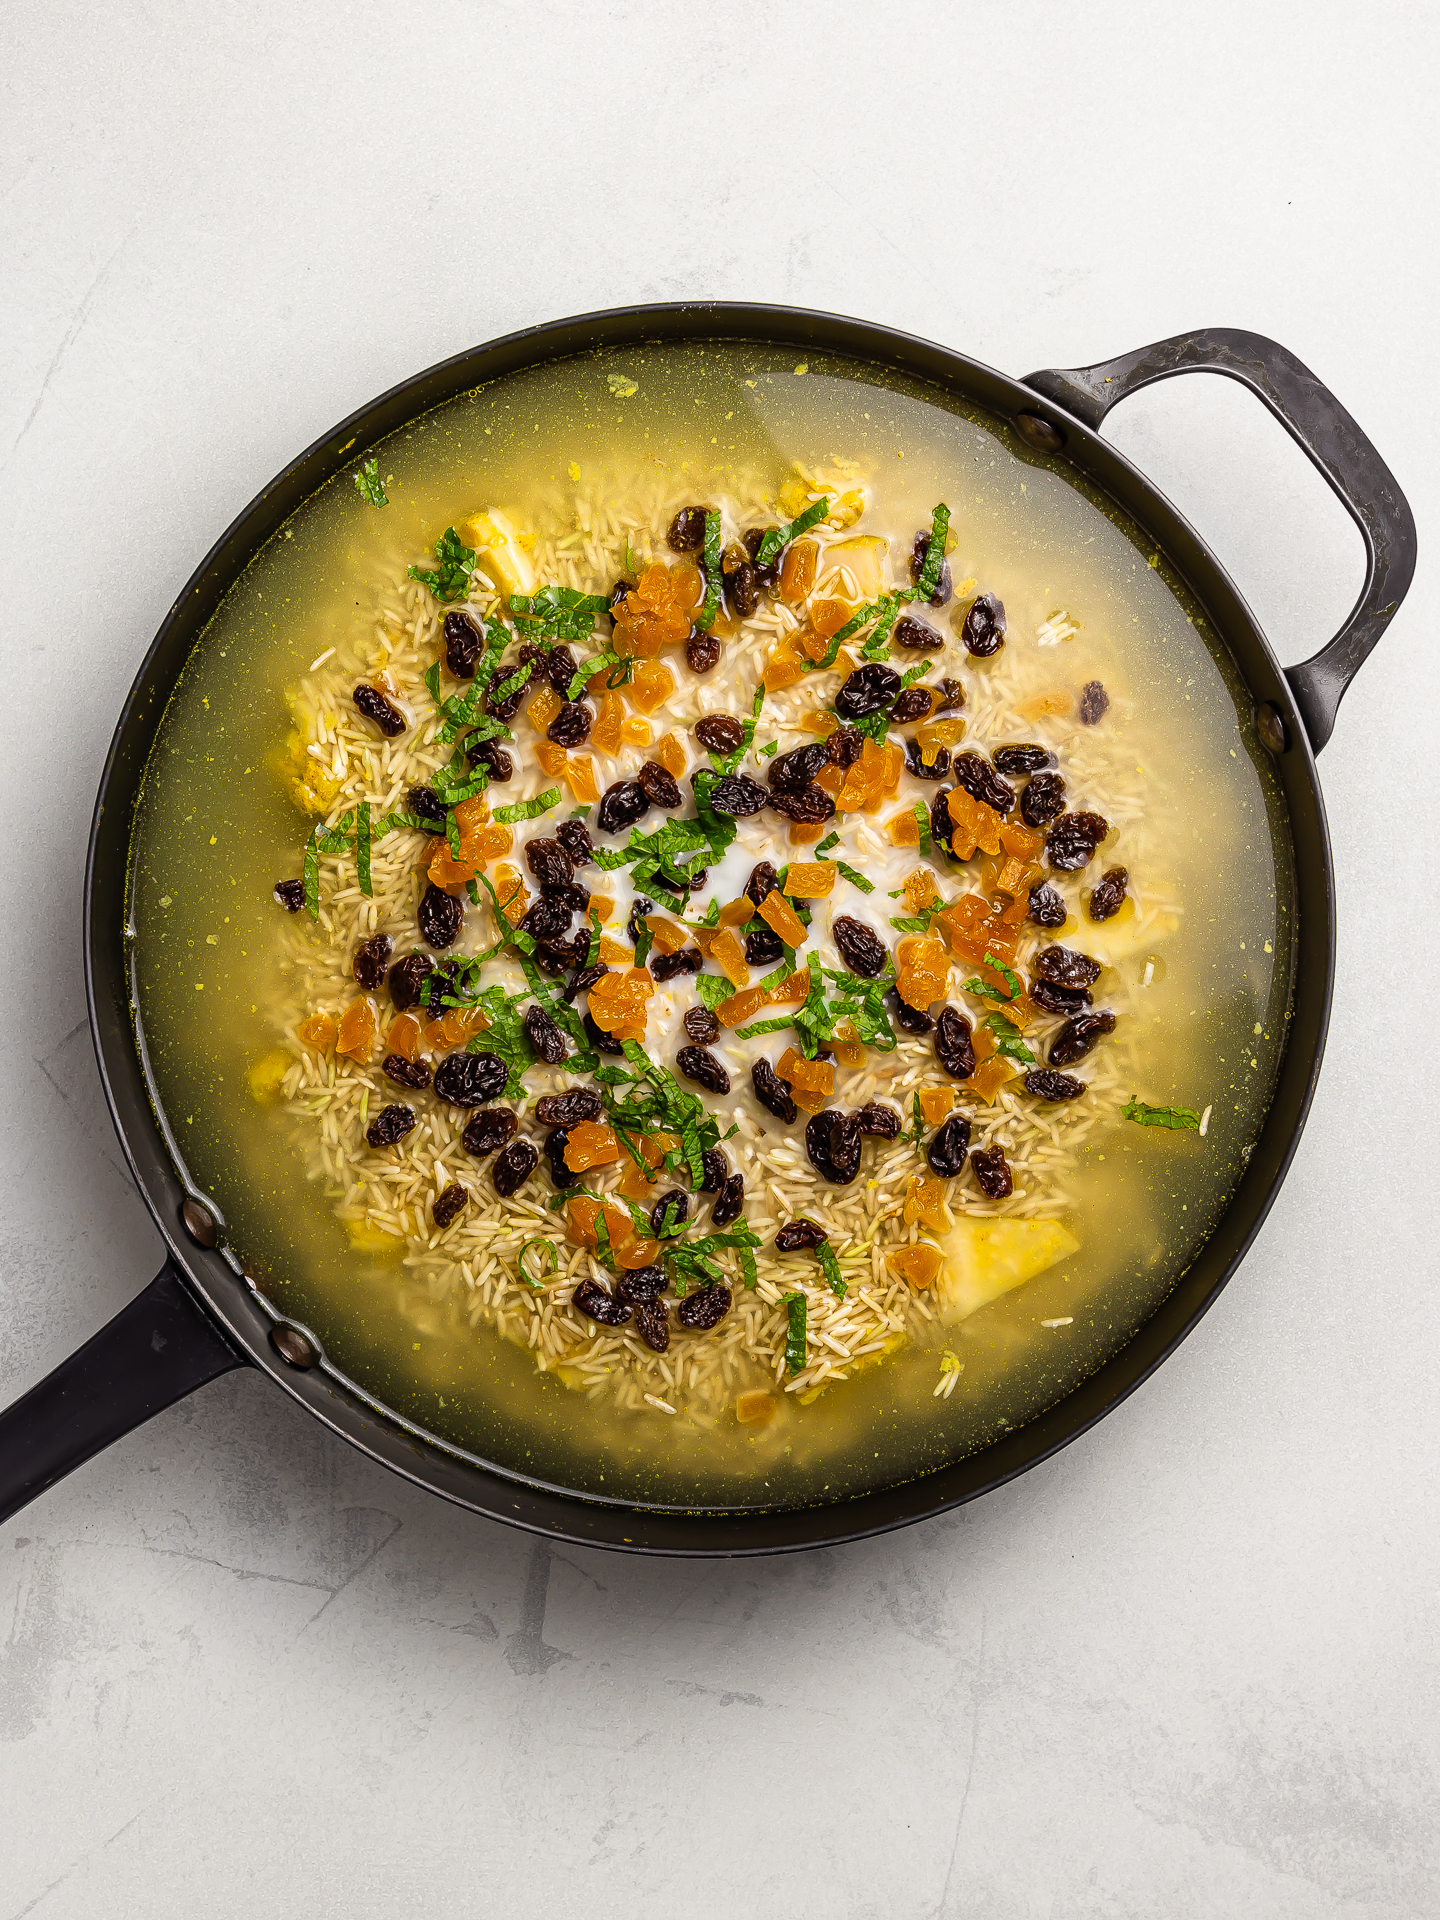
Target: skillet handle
point(154, 1352)
point(1321, 427)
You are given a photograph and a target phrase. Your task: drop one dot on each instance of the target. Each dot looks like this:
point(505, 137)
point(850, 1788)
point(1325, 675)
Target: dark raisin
point(992, 1173)
point(407, 976)
point(772, 1092)
point(463, 644)
point(600, 1040)
point(742, 590)
point(1057, 999)
point(769, 574)
point(763, 881)
point(618, 595)
point(1066, 967)
point(1094, 703)
point(845, 746)
point(832, 1143)
point(439, 916)
point(668, 966)
point(948, 1146)
point(729, 1202)
point(672, 1209)
point(1078, 1036)
point(983, 783)
point(917, 635)
point(427, 805)
point(546, 920)
point(576, 841)
point(412, 1074)
point(550, 863)
point(911, 703)
point(574, 899)
point(640, 907)
point(861, 948)
point(571, 724)
point(1108, 895)
point(878, 1120)
point(701, 1066)
point(640, 1284)
point(534, 656)
point(592, 1302)
point(470, 1079)
point(372, 957)
point(952, 696)
point(490, 754)
point(1025, 757)
point(290, 894)
point(389, 1125)
point(942, 827)
point(450, 1205)
point(954, 1048)
point(698, 878)
point(504, 707)
point(915, 761)
point(868, 689)
point(1043, 798)
point(702, 651)
point(763, 946)
point(944, 587)
point(568, 1109)
point(545, 1036)
point(809, 808)
point(621, 806)
point(1046, 1085)
point(652, 1323)
point(489, 1130)
point(560, 1174)
point(984, 628)
point(373, 704)
point(719, 733)
point(686, 533)
point(702, 1026)
point(705, 1309)
point(794, 771)
point(800, 1236)
point(557, 957)
point(1047, 909)
point(560, 668)
point(911, 1019)
point(738, 796)
point(1074, 839)
point(514, 1167)
point(714, 1170)
point(660, 786)
point(584, 979)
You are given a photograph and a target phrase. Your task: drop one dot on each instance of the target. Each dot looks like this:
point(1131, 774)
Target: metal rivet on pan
point(1039, 433)
point(1270, 725)
point(291, 1345)
point(199, 1224)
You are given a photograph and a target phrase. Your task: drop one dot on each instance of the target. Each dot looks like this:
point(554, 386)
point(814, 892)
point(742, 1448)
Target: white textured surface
point(1186, 1669)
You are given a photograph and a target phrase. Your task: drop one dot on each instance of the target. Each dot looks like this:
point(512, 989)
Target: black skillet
point(200, 1317)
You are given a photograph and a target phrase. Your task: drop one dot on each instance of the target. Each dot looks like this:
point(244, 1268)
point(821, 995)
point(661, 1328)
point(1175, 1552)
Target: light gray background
point(1186, 1669)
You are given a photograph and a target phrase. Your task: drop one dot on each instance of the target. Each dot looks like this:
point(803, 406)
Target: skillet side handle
point(154, 1352)
point(1321, 427)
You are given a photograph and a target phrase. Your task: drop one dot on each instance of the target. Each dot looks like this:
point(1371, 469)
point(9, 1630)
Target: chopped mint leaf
point(1008, 1041)
point(529, 809)
point(778, 538)
point(825, 1254)
point(934, 553)
point(371, 487)
point(451, 580)
point(795, 1353)
point(710, 567)
point(855, 879)
point(1178, 1119)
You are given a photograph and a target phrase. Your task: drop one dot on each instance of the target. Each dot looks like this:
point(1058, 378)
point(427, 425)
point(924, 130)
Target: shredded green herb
point(919, 1116)
point(1008, 1041)
point(710, 567)
point(371, 487)
point(557, 613)
point(825, 1254)
point(987, 988)
point(547, 1246)
point(795, 1346)
point(779, 538)
point(934, 553)
point(830, 840)
point(922, 819)
point(1178, 1119)
point(362, 847)
point(530, 809)
point(451, 580)
point(310, 871)
point(713, 988)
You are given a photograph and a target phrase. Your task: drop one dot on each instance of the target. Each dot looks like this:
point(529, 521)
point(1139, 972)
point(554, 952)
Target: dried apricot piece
point(737, 913)
point(543, 708)
point(754, 1408)
point(990, 1076)
point(973, 824)
point(918, 1264)
point(591, 1144)
point(935, 734)
point(1022, 842)
point(810, 880)
point(613, 954)
point(925, 1202)
point(728, 954)
point(904, 829)
point(404, 1036)
point(552, 758)
point(639, 1253)
point(634, 732)
point(782, 919)
point(605, 734)
point(817, 722)
point(830, 780)
point(784, 667)
point(735, 1011)
point(511, 892)
point(923, 972)
point(667, 936)
point(493, 840)
point(655, 613)
point(828, 616)
point(671, 755)
point(651, 688)
point(804, 833)
point(793, 992)
point(580, 772)
point(807, 1076)
point(936, 1103)
point(797, 570)
point(920, 889)
point(319, 1031)
point(849, 1053)
point(584, 1210)
point(356, 1036)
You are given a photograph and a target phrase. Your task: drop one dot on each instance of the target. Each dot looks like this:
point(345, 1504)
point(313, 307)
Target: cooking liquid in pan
point(1201, 997)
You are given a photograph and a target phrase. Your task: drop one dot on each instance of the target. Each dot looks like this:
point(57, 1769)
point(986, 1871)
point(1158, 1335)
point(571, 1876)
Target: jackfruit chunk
point(985, 1258)
point(499, 551)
